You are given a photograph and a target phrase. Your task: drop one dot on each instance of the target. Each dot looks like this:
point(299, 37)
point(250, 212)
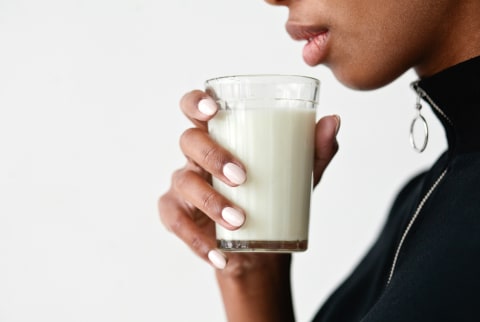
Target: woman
point(425, 264)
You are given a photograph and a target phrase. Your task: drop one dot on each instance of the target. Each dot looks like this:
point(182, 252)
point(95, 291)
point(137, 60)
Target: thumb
point(326, 145)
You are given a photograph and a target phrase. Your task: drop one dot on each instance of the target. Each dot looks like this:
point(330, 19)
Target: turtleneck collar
point(454, 95)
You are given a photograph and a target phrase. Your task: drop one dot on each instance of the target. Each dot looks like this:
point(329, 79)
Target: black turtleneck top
point(425, 264)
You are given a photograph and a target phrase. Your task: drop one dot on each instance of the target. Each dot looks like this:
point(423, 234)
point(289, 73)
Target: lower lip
point(315, 51)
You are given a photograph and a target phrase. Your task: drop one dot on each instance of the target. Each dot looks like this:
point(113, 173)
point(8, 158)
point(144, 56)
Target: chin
point(364, 79)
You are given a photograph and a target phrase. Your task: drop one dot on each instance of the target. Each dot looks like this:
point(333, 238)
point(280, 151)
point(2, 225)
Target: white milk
point(276, 145)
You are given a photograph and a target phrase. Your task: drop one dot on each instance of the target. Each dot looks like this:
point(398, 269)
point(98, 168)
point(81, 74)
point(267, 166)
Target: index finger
point(198, 107)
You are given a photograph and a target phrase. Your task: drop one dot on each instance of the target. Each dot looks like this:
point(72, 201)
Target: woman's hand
point(191, 207)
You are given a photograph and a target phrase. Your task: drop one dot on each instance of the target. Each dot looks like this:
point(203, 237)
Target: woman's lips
point(315, 51)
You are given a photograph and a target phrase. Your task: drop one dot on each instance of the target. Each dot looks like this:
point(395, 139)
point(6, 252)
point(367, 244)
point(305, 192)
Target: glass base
point(262, 246)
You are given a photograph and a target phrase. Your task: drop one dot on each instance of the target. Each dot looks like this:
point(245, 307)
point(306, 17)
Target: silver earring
point(419, 118)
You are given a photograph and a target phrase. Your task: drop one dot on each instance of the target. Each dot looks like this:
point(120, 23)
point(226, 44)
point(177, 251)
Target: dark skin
point(189, 211)
point(367, 44)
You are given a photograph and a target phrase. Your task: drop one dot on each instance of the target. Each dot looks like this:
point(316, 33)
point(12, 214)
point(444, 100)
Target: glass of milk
point(267, 122)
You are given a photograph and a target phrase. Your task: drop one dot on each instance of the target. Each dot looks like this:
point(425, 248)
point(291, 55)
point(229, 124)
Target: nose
point(278, 2)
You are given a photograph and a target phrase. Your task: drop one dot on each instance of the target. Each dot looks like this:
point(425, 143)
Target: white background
point(89, 126)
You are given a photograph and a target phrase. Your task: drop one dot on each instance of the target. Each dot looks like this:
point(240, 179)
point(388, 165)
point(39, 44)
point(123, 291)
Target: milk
point(276, 145)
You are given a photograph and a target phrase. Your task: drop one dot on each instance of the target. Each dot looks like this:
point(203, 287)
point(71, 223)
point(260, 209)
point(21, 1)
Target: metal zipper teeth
point(425, 96)
point(412, 221)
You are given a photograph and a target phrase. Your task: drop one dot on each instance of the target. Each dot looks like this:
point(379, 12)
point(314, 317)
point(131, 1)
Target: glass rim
point(244, 77)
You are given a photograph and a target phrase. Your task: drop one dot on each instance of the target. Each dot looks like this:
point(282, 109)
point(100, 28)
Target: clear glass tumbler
point(267, 122)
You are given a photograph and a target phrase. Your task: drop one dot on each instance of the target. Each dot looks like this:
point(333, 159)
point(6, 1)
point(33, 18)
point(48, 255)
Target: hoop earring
point(421, 119)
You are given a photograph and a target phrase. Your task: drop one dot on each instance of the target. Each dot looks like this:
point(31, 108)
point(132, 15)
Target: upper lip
point(304, 32)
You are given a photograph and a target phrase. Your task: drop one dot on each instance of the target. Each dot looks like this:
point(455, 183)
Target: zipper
point(422, 95)
point(412, 221)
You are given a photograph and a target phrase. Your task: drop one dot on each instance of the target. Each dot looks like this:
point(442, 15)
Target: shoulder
point(457, 199)
point(437, 276)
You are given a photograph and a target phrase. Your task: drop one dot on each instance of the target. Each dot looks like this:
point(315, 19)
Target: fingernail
point(339, 122)
point(217, 259)
point(233, 216)
point(207, 106)
point(234, 173)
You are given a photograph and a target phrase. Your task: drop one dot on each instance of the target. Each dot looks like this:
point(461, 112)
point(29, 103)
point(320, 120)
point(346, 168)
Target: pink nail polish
point(207, 106)
point(217, 259)
point(234, 173)
point(233, 216)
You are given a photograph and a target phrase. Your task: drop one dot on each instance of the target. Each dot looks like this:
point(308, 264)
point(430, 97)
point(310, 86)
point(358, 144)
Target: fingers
point(198, 107)
point(199, 147)
point(191, 207)
point(190, 186)
point(326, 145)
point(199, 238)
